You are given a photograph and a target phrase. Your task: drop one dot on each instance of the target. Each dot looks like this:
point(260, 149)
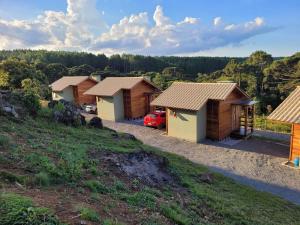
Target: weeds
point(96, 186)
point(42, 179)
point(88, 214)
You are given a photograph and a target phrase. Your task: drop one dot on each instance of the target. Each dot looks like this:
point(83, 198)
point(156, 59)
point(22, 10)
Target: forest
point(266, 79)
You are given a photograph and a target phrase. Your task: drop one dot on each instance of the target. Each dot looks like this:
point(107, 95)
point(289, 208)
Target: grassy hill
point(54, 174)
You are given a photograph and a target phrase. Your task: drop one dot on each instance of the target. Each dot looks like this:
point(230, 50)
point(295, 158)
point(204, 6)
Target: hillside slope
point(103, 177)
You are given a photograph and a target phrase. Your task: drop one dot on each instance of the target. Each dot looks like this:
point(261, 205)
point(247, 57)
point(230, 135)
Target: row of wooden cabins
point(194, 111)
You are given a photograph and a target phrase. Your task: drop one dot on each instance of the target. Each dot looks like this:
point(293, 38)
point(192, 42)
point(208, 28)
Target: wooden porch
point(243, 113)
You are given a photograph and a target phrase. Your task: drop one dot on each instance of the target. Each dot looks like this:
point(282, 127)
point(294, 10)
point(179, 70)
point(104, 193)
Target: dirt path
point(254, 162)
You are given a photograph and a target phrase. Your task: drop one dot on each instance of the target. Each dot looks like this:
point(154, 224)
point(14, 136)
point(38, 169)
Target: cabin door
point(236, 114)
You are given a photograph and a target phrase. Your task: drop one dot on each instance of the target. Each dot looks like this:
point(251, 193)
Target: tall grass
point(262, 123)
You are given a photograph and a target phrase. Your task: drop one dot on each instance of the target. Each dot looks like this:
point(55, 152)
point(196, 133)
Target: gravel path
point(253, 162)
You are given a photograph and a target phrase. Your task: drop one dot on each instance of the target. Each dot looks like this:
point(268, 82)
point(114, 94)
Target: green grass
point(15, 209)
point(261, 122)
point(55, 154)
point(88, 214)
point(96, 186)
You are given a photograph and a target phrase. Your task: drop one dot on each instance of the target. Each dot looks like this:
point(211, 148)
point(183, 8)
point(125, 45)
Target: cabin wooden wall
point(219, 116)
point(80, 98)
point(295, 142)
point(225, 112)
point(127, 104)
point(212, 125)
point(139, 102)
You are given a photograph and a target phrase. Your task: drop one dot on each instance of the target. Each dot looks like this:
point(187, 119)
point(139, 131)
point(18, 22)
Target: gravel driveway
point(253, 162)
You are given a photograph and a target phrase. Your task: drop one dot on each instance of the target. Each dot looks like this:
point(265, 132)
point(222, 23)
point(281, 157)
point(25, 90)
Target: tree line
point(268, 80)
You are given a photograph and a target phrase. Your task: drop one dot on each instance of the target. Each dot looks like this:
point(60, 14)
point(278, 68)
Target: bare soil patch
point(147, 167)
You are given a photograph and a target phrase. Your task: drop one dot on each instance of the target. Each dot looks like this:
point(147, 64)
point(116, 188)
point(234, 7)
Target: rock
point(68, 113)
point(9, 106)
point(207, 178)
point(127, 136)
point(96, 122)
point(10, 110)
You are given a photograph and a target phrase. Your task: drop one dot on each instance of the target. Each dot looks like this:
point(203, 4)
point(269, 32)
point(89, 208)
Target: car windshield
point(152, 115)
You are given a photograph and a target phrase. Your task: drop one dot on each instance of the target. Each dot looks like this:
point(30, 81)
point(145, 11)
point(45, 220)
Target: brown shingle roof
point(66, 81)
point(289, 109)
point(193, 96)
point(111, 85)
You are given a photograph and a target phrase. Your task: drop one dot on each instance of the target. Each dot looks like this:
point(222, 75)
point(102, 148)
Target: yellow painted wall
point(66, 94)
point(201, 123)
point(188, 125)
point(111, 108)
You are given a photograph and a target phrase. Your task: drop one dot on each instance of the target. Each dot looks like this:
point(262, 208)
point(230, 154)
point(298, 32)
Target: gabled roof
point(67, 81)
point(192, 96)
point(289, 109)
point(111, 85)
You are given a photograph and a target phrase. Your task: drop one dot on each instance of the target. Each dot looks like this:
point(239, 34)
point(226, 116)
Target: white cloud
point(82, 28)
point(217, 21)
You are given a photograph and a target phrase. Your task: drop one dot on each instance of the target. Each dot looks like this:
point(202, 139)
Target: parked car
point(90, 108)
point(155, 119)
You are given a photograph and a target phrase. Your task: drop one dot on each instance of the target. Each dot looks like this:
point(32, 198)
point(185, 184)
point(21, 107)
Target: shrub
point(4, 141)
point(45, 112)
point(88, 214)
point(96, 186)
point(31, 103)
point(42, 179)
point(59, 106)
point(15, 209)
point(10, 177)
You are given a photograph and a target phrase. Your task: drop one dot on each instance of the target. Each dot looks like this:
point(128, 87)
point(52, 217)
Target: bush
point(10, 177)
point(42, 179)
point(15, 209)
point(45, 112)
point(88, 214)
point(32, 103)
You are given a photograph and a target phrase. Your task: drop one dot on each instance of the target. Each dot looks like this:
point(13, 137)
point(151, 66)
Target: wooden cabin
point(71, 88)
point(196, 111)
point(121, 98)
point(289, 111)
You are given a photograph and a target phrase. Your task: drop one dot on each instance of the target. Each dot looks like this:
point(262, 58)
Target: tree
point(55, 71)
point(32, 86)
point(4, 79)
point(159, 80)
point(82, 70)
point(19, 70)
point(173, 72)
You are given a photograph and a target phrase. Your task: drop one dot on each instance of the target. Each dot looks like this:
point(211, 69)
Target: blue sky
point(277, 29)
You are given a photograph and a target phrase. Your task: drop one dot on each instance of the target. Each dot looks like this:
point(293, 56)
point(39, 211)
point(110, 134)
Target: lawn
point(59, 175)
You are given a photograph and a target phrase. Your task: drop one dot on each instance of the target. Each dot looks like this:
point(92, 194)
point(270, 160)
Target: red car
point(155, 119)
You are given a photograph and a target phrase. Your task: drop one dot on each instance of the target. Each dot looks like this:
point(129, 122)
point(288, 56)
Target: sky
point(153, 27)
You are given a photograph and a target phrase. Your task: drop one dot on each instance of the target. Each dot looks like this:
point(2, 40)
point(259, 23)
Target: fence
point(261, 123)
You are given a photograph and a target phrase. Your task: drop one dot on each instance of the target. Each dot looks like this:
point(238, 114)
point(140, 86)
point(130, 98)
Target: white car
point(90, 108)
